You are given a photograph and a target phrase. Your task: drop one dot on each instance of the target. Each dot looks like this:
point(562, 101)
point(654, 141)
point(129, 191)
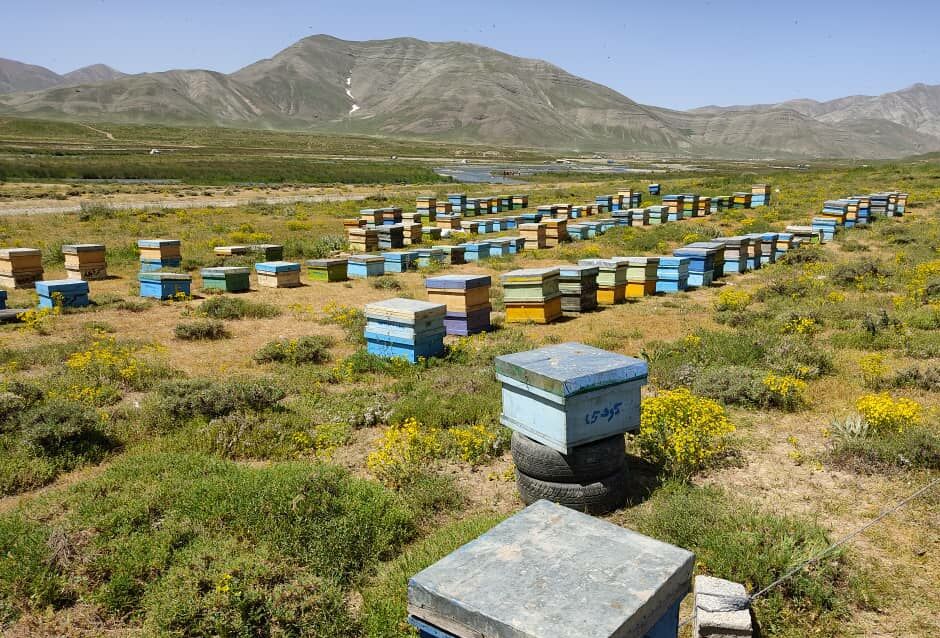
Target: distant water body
point(504, 173)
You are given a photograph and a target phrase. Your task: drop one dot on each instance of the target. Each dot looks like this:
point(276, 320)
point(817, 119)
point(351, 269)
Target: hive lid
point(6, 253)
point(70, 249)
point(157, 243)
point(578, 271)
point(404, 310)
point(570, 368)
point(326, 263)
point(642, 262)
point(458, 282)
point(552, 572)
point(529, 275)
point(277, 266)
point(163, 276)
point(221, 271)
point(49, 286)
point(365, 259)
point(674, 262)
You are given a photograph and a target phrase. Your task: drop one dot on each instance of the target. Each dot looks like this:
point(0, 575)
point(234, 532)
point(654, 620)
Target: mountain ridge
point(463, 92)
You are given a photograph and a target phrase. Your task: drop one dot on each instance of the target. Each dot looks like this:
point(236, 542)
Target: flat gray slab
point(551, 572)
point(9, 315)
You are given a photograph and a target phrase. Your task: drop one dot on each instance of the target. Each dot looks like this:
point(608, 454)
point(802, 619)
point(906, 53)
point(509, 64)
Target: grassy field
point(237, 465)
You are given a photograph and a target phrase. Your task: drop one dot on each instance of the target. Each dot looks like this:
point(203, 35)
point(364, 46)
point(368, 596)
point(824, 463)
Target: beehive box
point(363, 239)
point(570, 394)
point(807, 233)
point(672, 274)
point(531, 295)
point(159, 249)
point(412, 234)
point(499, 247)
point(401, 261)
point(20, 267)
point(475, 251)
point(267, 252)
point(577, 232)
point(458, 201)
point(467, 298)
point(485, 226)
point(65, 293)
point(718, 255)
point(391, 237)
point(429, 257)
point(701, 264)
point(453, 255)
point(327, 269)
point(641, 276)
point(354, 223)
point(552, 572)
point(85, 261)
point(231, 251)
point(533, 234)
point(735, 254)
point(431, 233)
point(227, 278)
point(656, 215)
point(578, 287)
point(611, 279)
point(164, 285)
point(405, 328)
point(768, 248)
point(516, 244)
point(530, 218)
point(654, 189)
point(3, 299)
point(450, 222)
point(520, 201)
point(362, 266)
point(278, 274)
point(471, 226)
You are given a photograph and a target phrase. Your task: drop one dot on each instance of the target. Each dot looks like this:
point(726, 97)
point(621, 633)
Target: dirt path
point(98, 130)
point(8, 503)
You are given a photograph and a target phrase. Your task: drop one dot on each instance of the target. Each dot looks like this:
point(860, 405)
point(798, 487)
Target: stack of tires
point(591, 478)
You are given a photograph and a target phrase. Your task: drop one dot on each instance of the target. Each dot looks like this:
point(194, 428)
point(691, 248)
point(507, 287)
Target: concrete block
point(722, 609)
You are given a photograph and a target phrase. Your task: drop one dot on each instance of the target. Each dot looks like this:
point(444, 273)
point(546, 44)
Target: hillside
point(460, 92)
point(17, 76)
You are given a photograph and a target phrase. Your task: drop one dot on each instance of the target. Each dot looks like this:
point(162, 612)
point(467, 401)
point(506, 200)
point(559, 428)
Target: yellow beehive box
point(637, 289)
point(611, 296)
point(535, 312)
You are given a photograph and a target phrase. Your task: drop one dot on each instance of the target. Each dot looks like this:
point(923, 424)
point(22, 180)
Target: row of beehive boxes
point(855, 210)
point(22, 267)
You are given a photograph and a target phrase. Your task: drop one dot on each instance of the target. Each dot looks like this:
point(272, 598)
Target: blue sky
point(675, 54)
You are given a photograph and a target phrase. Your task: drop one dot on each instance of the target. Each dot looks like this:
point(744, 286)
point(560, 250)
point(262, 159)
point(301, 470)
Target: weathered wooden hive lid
point(7, 253)
point(276, 266)
point(604, 264)
point(642, 261)
point(571, 368)
point(409, 310)
point(552, 572)
point(73, 249)
point(163, 276)
point(571, 271)
point(458, 282)
point(326, 263)
point(221, 271)
point(529, 275)
point(157, 243)
point(365, 259)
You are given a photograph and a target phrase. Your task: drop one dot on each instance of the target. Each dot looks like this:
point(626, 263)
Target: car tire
point(599, 497)
point(585, 464)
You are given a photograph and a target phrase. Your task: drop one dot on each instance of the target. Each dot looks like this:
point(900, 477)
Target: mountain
point(17, 76)
point(467, 93)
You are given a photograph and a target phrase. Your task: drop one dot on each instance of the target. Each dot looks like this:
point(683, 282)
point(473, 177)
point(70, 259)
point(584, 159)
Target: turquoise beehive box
point(570, 394)
point(552, 572)
point(164, 285)
point(70, 293)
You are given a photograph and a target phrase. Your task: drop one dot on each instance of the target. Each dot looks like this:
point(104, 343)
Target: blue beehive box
point(718, 258)
point(530, 218)
point(405, 328)
point(430, 256)
point(510, 223)
point(498, 247)
point(701, 265)
point(402, 261)
point(475, 251)
point(152, 265)
point(552, 572)
point(827, 225)
point(672, 274)
point(570, 394)
point(74, 293)
point(487, 226)
point(515, 245)
point(3, 299)
point(164, 285)
point(362, 266)
point(654, 189)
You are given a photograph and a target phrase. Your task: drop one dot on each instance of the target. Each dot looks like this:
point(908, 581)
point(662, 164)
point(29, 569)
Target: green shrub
point(202, 330)
point(300, 248)
point(183, 399)
point(738, 541)
point(385, 598)
point(926, 378)
point(385, 282)
point(308, 349)
point(228, 307)
point(29, 578)
point(67, 431)
point(915, 447)
point(11, 406)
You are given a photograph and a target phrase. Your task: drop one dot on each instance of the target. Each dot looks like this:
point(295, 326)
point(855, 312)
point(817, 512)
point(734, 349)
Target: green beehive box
point(268, 252)
point(327, 269)
point(227, 278)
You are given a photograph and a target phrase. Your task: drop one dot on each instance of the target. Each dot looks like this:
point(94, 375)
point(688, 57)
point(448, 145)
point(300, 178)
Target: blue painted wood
point(458, 282)
point(162, 286)
point(157, 243)
point(388, 350)
point(668, 286)
point(277, 266)
point(362, 266)
point(72, 293)
point(549, 572)
point(3, 299)
point(570, 394)
point(700, 279)
point(153, 265)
